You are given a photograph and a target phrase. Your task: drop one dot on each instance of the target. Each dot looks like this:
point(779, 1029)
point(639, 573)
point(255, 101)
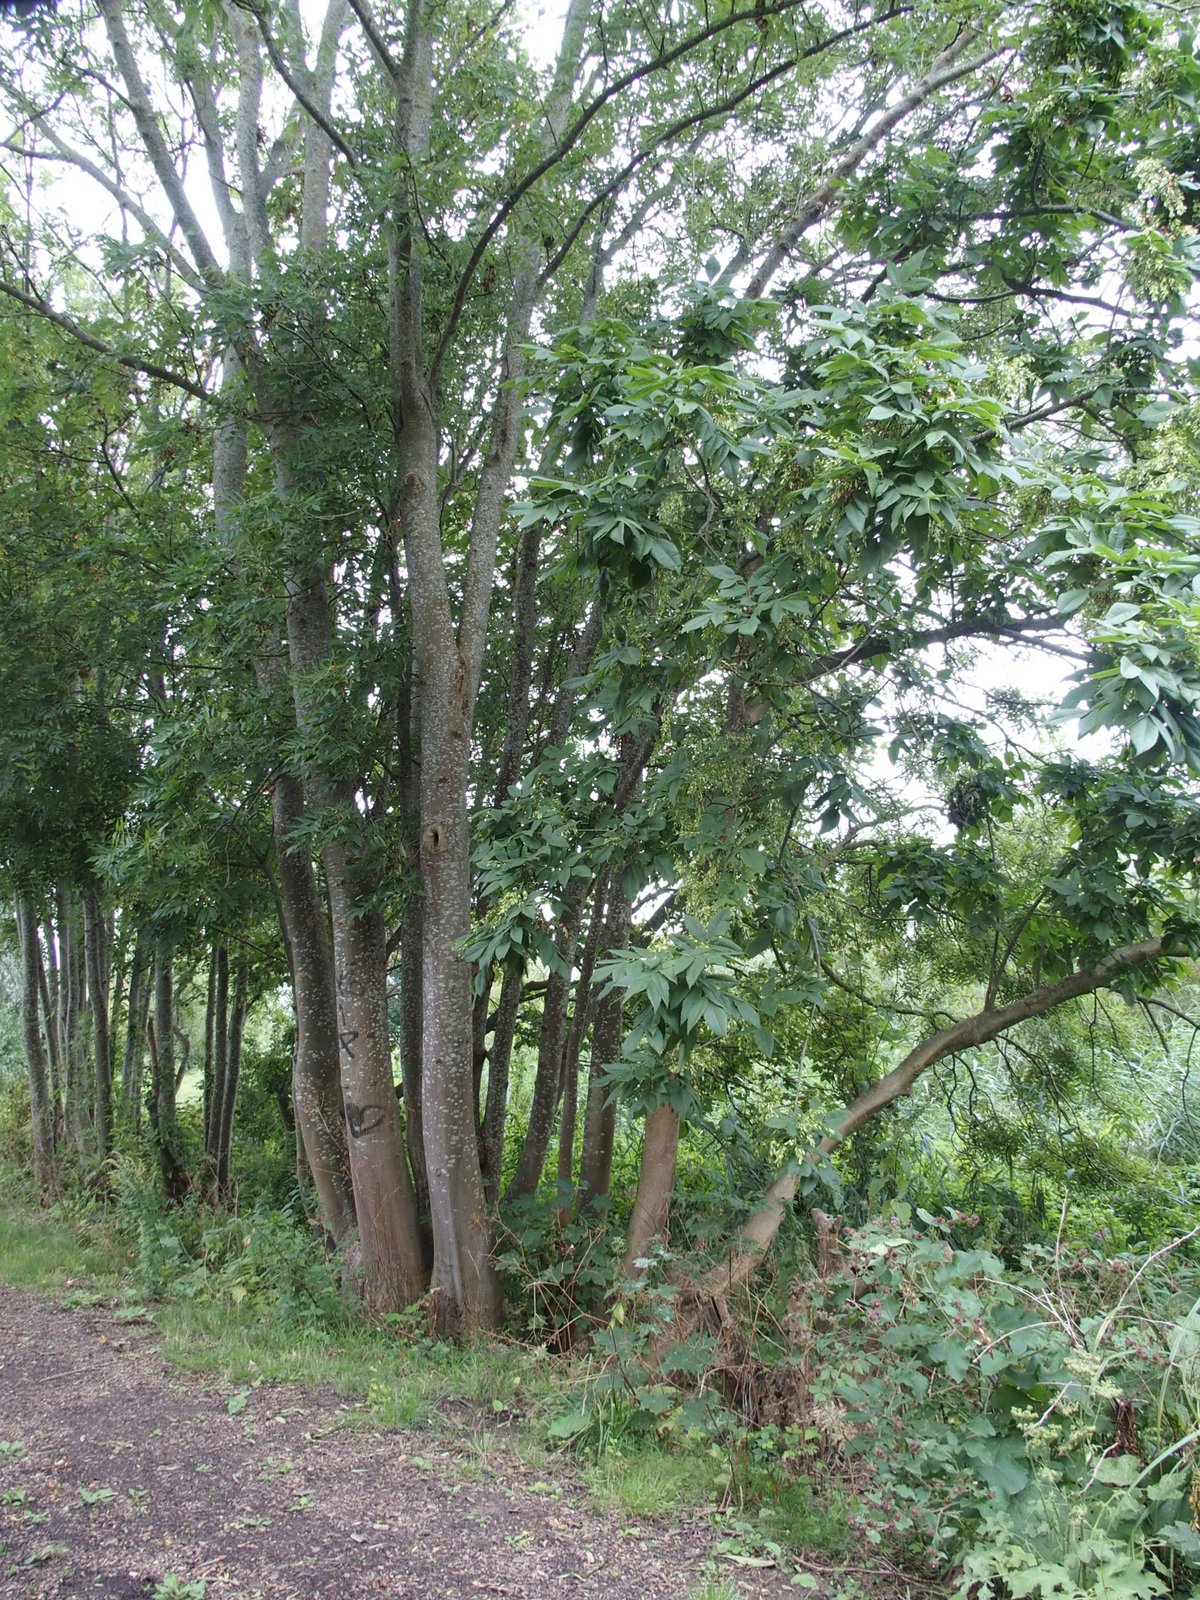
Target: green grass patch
point(402, 1385)
point(651, 1481)
point(42, 1250)
point(784, 1512)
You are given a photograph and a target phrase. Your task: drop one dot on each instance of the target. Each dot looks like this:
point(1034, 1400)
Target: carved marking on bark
point(346, 1038)
point(362, 1119)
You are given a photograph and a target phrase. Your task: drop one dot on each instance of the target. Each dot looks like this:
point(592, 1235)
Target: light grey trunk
point(135, 1030)
point(499, 1059)
point(72, 1040)
point(97, 989)
point(316, 1090)
point(41, 1112)
point(217, 1049)
point(229, 1084)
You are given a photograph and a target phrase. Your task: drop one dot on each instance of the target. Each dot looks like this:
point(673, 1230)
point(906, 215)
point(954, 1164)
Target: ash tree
point(857, 335)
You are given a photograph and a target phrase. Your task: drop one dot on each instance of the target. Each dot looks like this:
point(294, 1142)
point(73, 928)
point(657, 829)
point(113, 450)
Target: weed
point(715, 1589)
point(96, 1497)
point(175, 1588)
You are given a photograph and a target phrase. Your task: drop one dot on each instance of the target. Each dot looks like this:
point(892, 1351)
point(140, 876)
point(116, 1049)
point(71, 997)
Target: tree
point(770, 477)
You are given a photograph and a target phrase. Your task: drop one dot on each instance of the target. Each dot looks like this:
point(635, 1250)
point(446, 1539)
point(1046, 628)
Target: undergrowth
point(1008, 1432)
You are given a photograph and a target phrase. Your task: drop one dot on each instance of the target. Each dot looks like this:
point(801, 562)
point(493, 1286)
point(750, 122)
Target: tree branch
point(135, 363)
point(572, 135)
point(301, 93)
point(760, 1228)
point(946, 70)
point(155, 145)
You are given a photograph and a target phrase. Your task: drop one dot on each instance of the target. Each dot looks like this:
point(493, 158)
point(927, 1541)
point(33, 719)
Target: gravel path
point(115, 1472)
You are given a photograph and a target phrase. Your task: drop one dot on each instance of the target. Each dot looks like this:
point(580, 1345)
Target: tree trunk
point(316, 1070)
point(656, 1183)
point(579, 1022)
point(71, 1001)
point(216, 1028)
point(600, 1116)
point(548, 1083)
point(210, 1036)
point(393, 1258)
point(229, 1084)
point(410, 1042)
point(165, 1124)
point(135, 1030)
point(41, 1111)
point(504, 1027)
point(94, 942)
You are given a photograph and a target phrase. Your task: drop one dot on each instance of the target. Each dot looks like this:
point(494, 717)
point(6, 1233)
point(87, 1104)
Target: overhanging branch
point(151, 369)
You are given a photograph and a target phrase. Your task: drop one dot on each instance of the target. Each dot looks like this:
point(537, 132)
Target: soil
point(116, 1472)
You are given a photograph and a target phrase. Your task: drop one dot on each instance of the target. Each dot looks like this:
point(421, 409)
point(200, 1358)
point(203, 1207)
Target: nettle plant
point(1000, 1423)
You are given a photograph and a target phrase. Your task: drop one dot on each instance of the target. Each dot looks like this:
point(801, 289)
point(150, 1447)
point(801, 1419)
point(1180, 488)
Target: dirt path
point(115, 1471)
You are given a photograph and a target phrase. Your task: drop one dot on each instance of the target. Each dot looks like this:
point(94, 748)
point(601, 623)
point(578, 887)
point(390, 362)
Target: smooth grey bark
point(72, 1001)
point(210, 1036)
point(217, 1065)
point(48, 996)
point(580, 1018)
point(315, 1067)
point(41, 1111)
point(95, 965)
point(656, 1182)
point(316, 1087)
point(135, 1029)
point(229, 1082)
point(504, 1027)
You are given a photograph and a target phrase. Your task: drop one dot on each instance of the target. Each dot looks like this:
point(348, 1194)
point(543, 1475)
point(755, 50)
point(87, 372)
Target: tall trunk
point(410, 1043)
point(656, 1182)
point(504, 1027)
point(50, 1028)
point(41, 1111)
point(97, 988)
point(574, 1045)
point(385, 1202)
point(167, 1142)
point(71, 999)
point(210, 1035)
point(548, 1082)
point(229, 1082)
point(135, 1029)
point(216, 1027)
point(600, 1118)
point(315, 1071)
point(465, 1286)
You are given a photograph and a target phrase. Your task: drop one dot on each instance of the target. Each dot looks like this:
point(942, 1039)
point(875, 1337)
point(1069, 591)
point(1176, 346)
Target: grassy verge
point(493, 1398)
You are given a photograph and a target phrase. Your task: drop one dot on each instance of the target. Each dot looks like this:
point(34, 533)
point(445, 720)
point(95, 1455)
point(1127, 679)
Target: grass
point(649, 1481)
point(416, 1384)
point(42, 1250)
